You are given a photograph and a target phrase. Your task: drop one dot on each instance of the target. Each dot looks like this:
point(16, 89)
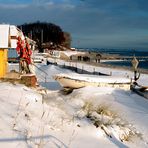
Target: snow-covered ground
point(89, 117)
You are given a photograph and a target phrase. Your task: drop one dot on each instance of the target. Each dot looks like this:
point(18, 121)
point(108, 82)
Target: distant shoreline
point(109, 56)
point(144, 71)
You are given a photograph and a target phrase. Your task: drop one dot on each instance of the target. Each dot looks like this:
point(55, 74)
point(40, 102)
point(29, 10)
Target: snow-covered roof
point(4, 36)
point(8, 35)
point(14, 33)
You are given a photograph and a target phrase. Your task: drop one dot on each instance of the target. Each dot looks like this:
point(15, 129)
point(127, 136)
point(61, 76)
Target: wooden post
point(135, 63)
point(94, 71)
point(82, 69)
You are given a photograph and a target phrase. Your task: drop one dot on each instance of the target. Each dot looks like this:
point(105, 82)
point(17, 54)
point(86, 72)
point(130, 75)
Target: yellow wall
point(3, 62)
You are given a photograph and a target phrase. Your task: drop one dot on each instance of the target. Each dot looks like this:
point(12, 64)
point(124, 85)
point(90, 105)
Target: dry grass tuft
point(103, 116)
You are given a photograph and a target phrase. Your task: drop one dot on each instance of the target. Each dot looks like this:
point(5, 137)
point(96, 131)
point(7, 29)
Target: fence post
point(94, 71)
point(82, 69)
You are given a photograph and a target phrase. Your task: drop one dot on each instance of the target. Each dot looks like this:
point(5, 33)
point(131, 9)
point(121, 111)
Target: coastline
point(99, 64)
point(74, 57)
point(143, 71)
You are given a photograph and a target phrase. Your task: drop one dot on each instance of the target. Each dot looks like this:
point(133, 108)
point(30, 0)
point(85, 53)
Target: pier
point(74, 66)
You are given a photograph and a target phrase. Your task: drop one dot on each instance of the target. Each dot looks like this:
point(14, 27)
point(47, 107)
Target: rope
point(136, 84)
point(41, 71)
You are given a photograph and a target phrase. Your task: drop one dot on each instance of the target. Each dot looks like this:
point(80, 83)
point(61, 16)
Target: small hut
point(8, 39)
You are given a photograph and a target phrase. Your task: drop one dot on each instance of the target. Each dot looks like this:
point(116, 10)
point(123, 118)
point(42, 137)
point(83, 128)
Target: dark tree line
point(43, 32)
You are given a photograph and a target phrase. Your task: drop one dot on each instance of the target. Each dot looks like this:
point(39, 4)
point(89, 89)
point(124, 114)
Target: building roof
point(8, 35)
point(4, 36)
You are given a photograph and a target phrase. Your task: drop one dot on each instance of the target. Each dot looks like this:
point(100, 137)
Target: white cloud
point(13, 6)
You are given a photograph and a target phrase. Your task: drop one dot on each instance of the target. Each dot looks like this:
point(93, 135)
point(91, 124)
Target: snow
point(4, 33)
point(110, 71)
point(49, 118)
point(92, 78)
point(70, 53)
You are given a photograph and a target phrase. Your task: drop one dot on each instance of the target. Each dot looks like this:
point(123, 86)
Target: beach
point(74, 74)
point(87, 117)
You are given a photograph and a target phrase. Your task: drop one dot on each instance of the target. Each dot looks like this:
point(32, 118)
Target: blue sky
point(92, 23)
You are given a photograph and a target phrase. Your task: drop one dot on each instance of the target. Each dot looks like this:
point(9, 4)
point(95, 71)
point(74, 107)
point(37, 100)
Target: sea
point(140, 54)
